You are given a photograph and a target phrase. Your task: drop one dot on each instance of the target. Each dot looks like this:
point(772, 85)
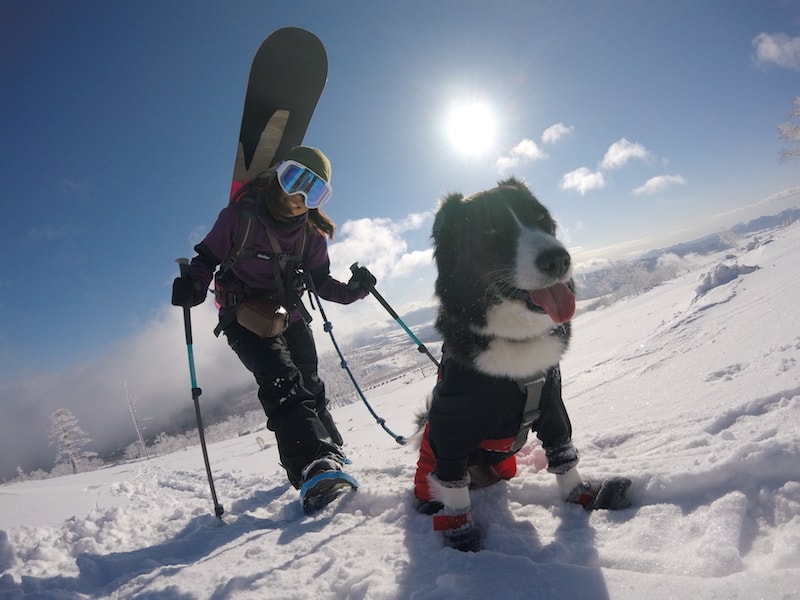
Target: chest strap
point(531, 412)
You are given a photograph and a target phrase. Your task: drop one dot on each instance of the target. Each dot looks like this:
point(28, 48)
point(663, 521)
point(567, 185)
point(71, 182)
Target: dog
point(506, 299)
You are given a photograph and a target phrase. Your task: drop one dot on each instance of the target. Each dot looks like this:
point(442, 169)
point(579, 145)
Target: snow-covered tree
point(70, 440)
point(791, 132)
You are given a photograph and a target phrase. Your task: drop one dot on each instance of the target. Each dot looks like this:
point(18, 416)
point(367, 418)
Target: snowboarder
point(266, 244)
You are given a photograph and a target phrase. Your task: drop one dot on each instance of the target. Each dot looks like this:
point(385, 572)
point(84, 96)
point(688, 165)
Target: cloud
point(621, 152)
point(379, 245)
point(47, 233)
point(556, 132)
point(197, 234)
point(583, 180)
point(79, 188)
point(524, 152)
point(155, 366)
point(659, 184)
point(778, 49)
point(528, 150)
point(411, 261)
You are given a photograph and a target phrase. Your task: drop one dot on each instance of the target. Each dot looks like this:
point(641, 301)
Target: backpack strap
point(248, 228)
point(280, 265)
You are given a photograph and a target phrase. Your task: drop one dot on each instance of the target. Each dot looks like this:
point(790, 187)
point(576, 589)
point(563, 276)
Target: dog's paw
point(611, 494)
point(429, 507)
point(459, 530)
point(464, 539)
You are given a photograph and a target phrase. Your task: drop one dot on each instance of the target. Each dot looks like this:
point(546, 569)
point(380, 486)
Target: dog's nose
point(554, 261)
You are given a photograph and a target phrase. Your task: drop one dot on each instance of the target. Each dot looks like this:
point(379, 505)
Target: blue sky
point(631, 120)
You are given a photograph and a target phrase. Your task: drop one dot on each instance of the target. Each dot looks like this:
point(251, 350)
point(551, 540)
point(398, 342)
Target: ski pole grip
point(183, 264)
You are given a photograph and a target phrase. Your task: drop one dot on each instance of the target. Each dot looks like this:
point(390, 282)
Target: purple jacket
point(257, 273)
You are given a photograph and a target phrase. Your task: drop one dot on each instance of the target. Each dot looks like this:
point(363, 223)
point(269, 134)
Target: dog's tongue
point(557, 301)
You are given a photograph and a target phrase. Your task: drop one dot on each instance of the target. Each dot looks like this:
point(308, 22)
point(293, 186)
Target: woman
point(267, 243)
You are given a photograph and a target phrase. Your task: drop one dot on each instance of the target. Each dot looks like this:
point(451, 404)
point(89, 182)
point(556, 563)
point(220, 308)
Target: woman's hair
point(321, 222)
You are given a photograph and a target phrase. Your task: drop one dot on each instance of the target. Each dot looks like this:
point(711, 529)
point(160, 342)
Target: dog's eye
point(545, 220)
point(539, 216)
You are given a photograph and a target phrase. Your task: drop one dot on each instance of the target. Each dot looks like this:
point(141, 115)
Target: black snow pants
point(291, 393)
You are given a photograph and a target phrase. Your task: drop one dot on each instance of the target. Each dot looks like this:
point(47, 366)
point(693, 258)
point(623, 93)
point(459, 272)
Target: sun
point(470, 128)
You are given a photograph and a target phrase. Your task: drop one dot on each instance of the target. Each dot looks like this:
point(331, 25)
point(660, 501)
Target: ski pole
point(196, 391)
point(420, 346)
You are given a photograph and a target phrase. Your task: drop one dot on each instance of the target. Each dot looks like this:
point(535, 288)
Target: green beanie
point(313, 158)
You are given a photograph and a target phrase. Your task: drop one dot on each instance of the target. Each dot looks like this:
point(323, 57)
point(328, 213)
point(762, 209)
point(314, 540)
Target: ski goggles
point(295, 178)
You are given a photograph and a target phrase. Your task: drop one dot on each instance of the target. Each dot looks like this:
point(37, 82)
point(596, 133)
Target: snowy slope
point(695, 396)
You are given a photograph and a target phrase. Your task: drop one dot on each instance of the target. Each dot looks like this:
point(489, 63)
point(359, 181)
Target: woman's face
point(290, 206)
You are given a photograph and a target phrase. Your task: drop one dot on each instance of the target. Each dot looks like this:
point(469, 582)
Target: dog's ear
point(444, 215)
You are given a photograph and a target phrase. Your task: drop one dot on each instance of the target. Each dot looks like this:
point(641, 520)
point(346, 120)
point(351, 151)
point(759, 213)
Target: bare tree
point(791, 133)
point(70, 440)
point(136, 425)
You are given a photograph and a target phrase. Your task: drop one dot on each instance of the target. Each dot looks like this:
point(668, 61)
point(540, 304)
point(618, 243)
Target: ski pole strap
point(530, 414)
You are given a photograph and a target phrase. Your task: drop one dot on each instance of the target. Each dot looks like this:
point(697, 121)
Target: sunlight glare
point(470, 128)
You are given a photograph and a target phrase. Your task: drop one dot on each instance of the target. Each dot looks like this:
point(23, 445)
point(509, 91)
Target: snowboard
point(324, 488)
point(286, 80)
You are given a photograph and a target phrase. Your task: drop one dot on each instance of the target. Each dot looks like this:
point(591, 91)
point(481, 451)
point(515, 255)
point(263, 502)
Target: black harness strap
point(531, 412)
point(280, 264)
point(248, 227)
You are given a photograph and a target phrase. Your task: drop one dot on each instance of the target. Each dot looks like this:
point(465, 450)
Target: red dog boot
point(455, 519)
point(459, 530)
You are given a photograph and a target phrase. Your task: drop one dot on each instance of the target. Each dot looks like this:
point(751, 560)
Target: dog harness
point(533, 396)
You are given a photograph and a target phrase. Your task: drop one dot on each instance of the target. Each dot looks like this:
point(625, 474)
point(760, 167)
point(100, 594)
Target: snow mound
point(720, 275)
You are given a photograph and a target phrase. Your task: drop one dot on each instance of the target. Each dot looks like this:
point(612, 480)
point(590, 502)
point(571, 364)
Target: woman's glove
point(186, 292)
point(361, 278)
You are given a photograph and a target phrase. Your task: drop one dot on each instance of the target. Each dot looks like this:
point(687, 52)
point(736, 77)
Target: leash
point(328, 327)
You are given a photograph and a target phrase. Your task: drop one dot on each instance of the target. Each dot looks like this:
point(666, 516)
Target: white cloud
point(659, 184)
point(621, 152)
point(47, 233)
point(80, 188)
point(197, 234)
point(778, 49)
point(155, 366)
point(583, 180)
point(556, 132)
point(411, 261)
point(379, 245)
point(524, 152)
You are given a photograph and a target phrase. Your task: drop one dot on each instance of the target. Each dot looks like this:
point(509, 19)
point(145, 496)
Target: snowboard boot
point(323, 482)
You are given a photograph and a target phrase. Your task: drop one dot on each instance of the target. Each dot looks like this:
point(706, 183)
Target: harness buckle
point(531, 411)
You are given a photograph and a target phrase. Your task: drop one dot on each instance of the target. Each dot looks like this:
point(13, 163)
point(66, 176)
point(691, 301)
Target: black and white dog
point(504, 284)
point(506, 299)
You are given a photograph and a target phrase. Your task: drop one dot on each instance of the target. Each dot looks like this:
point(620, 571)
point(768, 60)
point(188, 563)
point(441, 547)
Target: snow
point(696, 397)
